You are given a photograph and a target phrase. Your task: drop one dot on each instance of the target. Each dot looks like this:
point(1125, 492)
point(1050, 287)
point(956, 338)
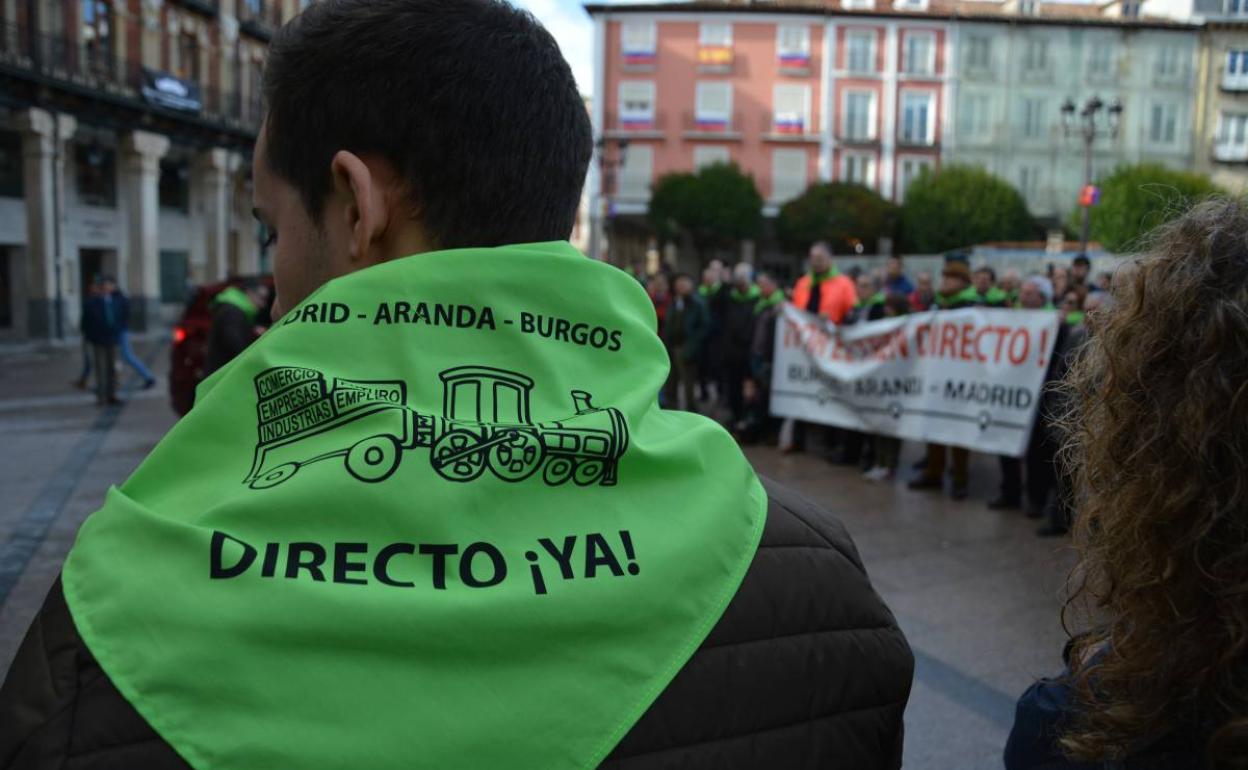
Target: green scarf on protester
point(968, 296)
point(232, 295)
point(709, 291)
point(433, 518)
point(749, 295)
point(766, 303)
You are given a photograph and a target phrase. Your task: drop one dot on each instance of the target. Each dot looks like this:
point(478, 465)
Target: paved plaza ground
point(976, 592)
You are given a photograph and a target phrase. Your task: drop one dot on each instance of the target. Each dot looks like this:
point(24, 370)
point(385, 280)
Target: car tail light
point(179, 335)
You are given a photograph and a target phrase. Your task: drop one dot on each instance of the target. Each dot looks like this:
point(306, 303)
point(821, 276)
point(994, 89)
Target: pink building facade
point(792, 99)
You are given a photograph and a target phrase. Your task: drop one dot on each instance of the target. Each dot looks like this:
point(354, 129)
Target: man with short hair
point(895, 280)
point(235, 313)
point(102, 321)
point(434, 517)
point(684, 332)
point(1080, 272)
point(987, 292)
point(823, 290)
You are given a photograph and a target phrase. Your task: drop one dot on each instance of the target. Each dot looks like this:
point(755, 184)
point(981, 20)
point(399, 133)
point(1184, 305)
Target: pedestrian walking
point(101, 325)
point(760, 425)
point(887, 449)
point(738, 335)
point(122, 303)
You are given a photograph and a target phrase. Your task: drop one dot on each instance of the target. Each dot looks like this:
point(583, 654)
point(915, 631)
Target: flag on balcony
point(715, 55)
point(638, 57)
point(706, 123)
point(637, 122)
point(796, 60)
point(790, 123)
point(1090, 195)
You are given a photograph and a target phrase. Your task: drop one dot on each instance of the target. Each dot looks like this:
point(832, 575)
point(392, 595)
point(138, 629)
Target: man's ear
point(366, 213)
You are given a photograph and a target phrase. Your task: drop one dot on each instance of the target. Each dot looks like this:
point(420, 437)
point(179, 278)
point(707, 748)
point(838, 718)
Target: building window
point(858, 168)
point(253, 10)
point(1168, 65)
point(709, 155)
point(919, 56)
point(788, 174)
point(979, 53)
point(637, 104)
point(1236, 73)
point(793, 46)
point(1233, 134)
point(1163, 124)
point(791, 109)
point(1131, 9)
point(1033, 118)
point(11, 183)
point(638, 39)
point(1036, 56)
point(1029, 7)
point(97, 35)
point(1029, 182)
point(713, 106)
point(188, 56)
point(860, 50)
point(911, 168)
point(174, 275)
point(1237, 7)
point(637, 172)
point(859, 120)
point(95, 176)
point(975, 117)
point(715, 44)
point(1101, 58)
point(175, 185)
point(858, 5)
point(917, 126)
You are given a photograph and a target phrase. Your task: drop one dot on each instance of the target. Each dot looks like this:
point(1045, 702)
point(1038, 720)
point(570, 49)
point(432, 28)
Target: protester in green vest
point(1011, 283)
point(434, 518)
point(710, 370)
point(684, 333)
point(738, 334)
point(987, 293)
point(870, 303)
point(235, 314)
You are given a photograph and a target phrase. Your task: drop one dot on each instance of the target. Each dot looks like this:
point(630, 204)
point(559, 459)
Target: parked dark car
point(190, 340)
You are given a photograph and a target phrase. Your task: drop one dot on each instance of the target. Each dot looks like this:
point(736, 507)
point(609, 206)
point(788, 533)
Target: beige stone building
point(1222, 135)
point(126, 129)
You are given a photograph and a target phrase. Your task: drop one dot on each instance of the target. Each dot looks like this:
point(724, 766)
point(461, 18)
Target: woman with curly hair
point(1157, 442)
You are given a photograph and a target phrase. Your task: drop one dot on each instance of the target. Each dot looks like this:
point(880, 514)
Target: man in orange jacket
point(824, 291)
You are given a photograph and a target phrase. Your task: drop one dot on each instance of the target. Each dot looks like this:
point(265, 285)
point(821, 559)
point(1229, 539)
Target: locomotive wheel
point(458, 444)
point(558, 471)
point(275, 476)
point(518, 458)
point(373, 459)
point(589, 472)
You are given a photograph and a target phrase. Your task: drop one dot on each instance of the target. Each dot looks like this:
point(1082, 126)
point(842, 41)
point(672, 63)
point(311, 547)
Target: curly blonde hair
point(1157, 443)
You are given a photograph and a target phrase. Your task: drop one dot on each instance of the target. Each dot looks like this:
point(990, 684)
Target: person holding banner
point(955, 292)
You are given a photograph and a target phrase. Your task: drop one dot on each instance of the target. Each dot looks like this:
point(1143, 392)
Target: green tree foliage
point(961, 206)
point(1135, 199)
point(838, 212)
point(717, 206)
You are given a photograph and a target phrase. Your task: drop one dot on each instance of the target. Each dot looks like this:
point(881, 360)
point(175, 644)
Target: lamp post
point(1089, 130)
point(608, 165)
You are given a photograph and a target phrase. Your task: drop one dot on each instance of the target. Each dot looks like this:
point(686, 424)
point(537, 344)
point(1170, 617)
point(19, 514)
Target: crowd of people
point(720, 336)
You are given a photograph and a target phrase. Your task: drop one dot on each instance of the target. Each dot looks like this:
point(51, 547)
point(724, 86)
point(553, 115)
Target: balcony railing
point(209, 7)
point(855, 139)
point(703, 126)
point(916, 142)
point(1234, 82)
point(59, 61)
point(789, 129)
point(618, 126)
point(1226, 152)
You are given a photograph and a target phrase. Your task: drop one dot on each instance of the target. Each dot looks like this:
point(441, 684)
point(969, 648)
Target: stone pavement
point(976, 592)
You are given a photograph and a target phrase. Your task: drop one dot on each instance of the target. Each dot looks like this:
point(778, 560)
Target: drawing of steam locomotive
point(485, 424)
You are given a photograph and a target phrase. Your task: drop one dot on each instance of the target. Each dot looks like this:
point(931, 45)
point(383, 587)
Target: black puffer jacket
point(806, 669)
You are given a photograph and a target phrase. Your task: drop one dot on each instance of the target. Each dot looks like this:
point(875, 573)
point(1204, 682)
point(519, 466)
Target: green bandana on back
point(434, 518)
point(232, 295)
point(749, 295)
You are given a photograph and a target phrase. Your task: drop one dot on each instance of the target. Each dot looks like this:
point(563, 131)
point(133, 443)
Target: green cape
point(434, 518)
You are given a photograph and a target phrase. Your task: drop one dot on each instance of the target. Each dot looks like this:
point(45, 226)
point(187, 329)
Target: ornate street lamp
point(1089, 130)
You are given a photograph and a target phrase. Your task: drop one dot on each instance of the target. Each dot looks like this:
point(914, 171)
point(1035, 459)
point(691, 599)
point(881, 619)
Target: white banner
point(969, 378)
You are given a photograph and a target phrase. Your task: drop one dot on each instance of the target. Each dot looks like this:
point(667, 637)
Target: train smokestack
point(583, 402)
